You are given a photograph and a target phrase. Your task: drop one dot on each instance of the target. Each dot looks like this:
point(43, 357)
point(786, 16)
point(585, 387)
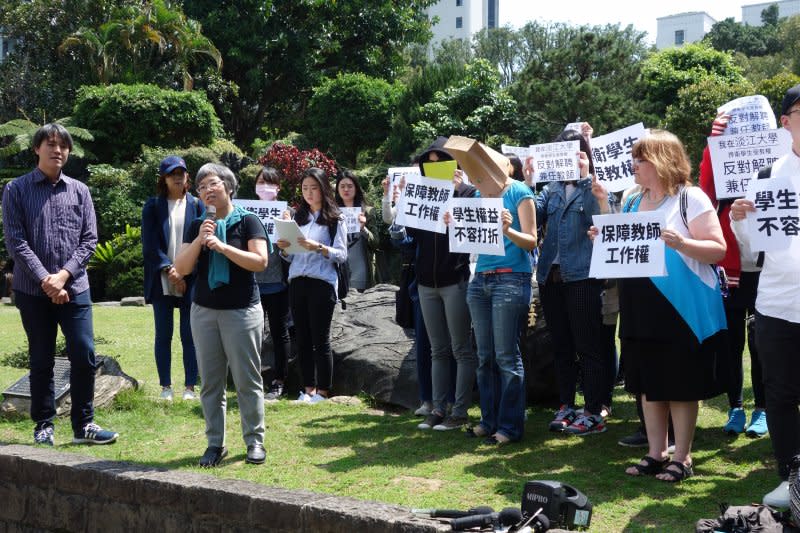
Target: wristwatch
point(167, 268)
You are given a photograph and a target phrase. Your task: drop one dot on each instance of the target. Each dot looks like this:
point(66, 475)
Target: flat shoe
point(213, 456)
point(256, 454)
point(651, 466)
point(677, 474)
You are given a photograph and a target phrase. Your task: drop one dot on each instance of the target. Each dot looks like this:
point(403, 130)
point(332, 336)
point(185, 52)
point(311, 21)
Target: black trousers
point(742, 300)
point(573, 314)
point(276, 307)
point(312, 302)
point(777, 342)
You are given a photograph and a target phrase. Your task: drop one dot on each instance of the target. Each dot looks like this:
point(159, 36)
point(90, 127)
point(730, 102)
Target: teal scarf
point(218, 265)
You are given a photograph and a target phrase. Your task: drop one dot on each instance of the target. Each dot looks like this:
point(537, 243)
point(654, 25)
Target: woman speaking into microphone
point(226, 315)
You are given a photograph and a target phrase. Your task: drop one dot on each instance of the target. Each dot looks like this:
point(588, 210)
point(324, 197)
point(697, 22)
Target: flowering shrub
point(292, 162)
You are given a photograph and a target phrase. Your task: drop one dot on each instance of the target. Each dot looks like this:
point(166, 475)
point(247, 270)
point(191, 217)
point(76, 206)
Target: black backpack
point(342, 270)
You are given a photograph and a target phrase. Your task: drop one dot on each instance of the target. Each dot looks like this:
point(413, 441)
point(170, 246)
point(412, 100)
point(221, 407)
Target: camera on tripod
point(563, 504)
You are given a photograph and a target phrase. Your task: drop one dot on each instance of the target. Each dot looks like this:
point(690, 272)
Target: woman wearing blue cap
point(165, 220)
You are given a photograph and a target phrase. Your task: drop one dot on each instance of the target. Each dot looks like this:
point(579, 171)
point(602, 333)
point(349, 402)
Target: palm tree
point(22, 131)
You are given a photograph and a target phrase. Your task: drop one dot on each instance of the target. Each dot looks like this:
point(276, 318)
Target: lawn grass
point(362, 452)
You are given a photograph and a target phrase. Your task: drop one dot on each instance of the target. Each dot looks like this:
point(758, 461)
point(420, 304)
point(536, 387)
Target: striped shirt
point(48, 227)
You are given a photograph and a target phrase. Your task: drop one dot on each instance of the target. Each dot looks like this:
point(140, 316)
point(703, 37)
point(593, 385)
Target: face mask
point(266, 192)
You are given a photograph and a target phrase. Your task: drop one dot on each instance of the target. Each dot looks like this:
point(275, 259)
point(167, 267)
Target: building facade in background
point(461, 19)
point(751, 14)
point(683, 28)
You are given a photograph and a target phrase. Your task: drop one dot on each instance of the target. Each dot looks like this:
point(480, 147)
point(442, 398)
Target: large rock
point(110, 380)
point(372, 354)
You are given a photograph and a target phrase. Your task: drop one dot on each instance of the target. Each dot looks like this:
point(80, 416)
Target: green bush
point(118, 263)
point(128, 117)
point(775, 88)
point(144, 171)
point(247, 182)
point(115, 203)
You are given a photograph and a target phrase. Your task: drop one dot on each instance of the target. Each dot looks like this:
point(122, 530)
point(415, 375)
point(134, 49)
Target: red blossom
point(292, 162)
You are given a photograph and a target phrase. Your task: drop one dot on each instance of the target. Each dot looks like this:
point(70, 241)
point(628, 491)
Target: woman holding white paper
point(359, 254)
point(672, 328)
point(313, 281)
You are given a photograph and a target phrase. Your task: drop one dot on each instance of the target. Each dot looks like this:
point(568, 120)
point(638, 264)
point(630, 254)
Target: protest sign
point(735, 158)
point(748, 114)
point(611, 153)
point(423, 202)
point(629, 245)
point(397, 173)
point(556, 161)
point(267, 212)
point(477, 226)
point(440, 170)
point(777, 218)
point(351, 218)
point(523, 152)
point(574, 126)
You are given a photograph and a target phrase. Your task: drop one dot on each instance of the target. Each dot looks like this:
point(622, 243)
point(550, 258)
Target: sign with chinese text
point(477, 226)
point(351, 218)
point(748, 114)
point(396, 174)
point(736, 158)
point(611, 153)
point(266, 211)
point(556, 161)
point(629, 245)
point(423, 202)
point(777, 218)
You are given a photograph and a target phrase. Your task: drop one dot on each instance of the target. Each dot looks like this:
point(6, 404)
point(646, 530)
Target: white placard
point(748, 114)
point(629, 245)
point(351, 218)
point(289, 230)
point(611, 154)
point(575, 126)
point(477, 226)
point(397, 173)
point(267, 212)
point(423, 202)
point(777, 218)
point(556, 161)
point(523, 152)
point(735, 158)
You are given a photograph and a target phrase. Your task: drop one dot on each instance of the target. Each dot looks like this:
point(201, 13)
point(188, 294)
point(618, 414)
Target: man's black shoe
point(256, 454)
point(213, 456)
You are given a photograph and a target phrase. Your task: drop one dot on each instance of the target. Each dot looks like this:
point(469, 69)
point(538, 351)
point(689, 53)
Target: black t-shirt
point(242, 290)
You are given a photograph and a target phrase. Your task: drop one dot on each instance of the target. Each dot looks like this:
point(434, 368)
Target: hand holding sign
point(740, 208)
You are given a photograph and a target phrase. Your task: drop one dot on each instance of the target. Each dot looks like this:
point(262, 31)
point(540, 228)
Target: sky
point(641, 13)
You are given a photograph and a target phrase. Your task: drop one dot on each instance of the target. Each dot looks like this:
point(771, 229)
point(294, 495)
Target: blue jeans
point(497, 303)
point(41, 319)
point(163, 311)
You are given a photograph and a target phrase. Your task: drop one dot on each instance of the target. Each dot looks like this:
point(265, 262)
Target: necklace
point(655, 204)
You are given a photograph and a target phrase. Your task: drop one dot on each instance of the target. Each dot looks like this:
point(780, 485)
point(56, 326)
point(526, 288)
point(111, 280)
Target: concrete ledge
point(46, 490)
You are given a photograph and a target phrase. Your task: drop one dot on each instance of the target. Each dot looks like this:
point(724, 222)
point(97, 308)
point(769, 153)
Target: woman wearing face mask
point(274, 289)
point(359, 254)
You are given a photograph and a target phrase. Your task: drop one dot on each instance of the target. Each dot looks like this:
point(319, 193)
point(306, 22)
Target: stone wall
point(46, 490)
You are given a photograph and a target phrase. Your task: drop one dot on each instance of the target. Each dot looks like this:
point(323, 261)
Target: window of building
point(459, 22)
point(679, 37)
point(459, 3)
point(492, 16)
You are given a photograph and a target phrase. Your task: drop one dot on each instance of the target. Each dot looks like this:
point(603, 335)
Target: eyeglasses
point(214, 184)
point(793, 111)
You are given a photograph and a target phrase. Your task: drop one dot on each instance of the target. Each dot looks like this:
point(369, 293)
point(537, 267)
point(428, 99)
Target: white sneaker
point(189, 395)
point(779, 496)
point(317, 398)
point(304, 397)
point(166, 394)
point(424, 409)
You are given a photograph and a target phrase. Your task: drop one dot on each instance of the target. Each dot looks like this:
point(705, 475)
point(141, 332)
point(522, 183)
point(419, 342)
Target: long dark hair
point(516, 165)
point(572, 135)
point(358, 200)
point(329, 213)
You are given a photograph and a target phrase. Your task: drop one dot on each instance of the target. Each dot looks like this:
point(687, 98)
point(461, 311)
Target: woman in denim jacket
point(571, 300)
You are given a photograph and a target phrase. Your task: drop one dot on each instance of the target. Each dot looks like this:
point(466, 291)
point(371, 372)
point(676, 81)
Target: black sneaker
point(451, 422)
point(275, 391)
point(44, 435)
point(637, 440)
point(433, 419)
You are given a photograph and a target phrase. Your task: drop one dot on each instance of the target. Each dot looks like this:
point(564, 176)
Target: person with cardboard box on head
point(499, 294)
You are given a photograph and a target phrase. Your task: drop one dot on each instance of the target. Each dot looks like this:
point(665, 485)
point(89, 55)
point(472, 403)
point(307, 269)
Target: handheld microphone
point(211, 214)
point(507, 517)
point(451, 513)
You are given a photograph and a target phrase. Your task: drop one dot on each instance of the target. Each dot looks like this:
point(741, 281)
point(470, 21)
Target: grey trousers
point(447, 320)
point(231, 338)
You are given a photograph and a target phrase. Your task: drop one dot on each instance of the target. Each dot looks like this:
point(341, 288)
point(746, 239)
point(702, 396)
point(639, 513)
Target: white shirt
point(177, 216)
point(779, 284)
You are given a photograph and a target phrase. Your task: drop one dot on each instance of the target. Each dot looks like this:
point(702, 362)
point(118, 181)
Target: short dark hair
point(270, 175)
point(48, 131)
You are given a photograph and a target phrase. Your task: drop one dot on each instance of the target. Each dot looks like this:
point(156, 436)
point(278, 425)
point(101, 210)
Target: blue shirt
point(516, 258)
point(315, 265)
point(49, 227)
